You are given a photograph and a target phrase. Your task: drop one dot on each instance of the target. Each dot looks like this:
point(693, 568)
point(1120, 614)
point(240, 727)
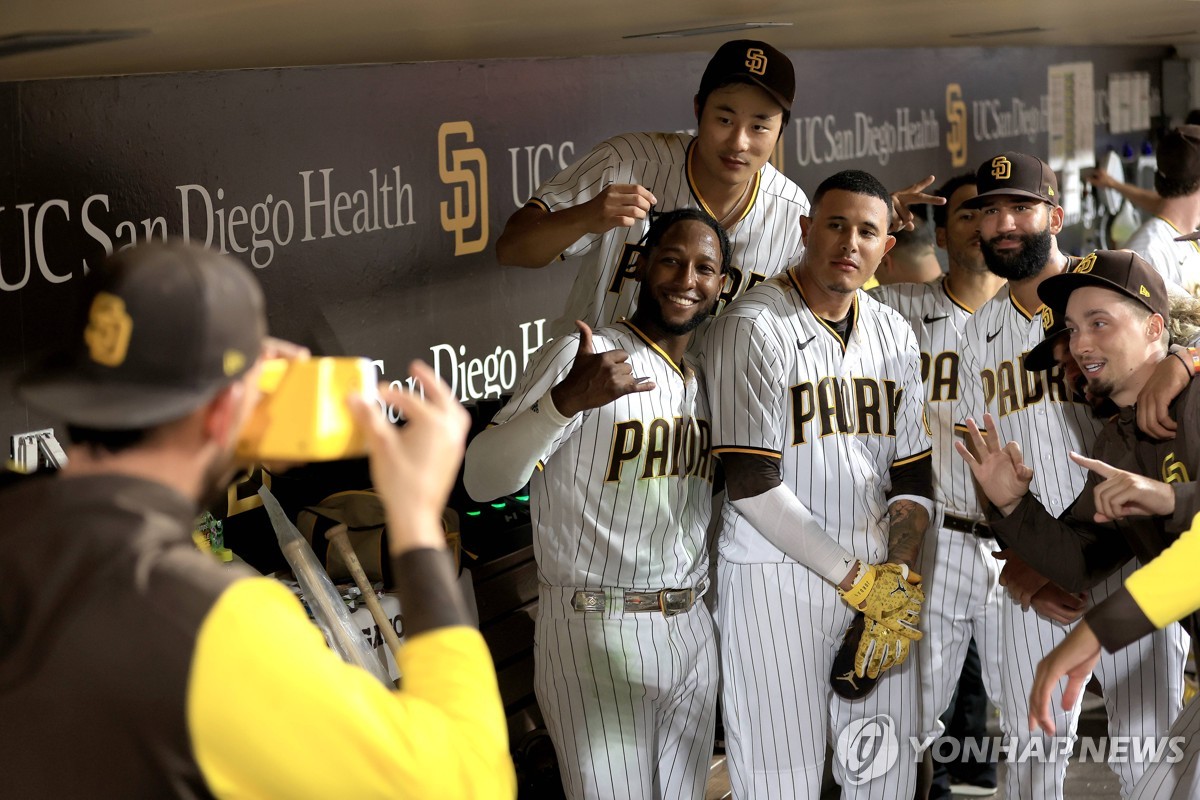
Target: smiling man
point(1039, 409)
point(613, 427)
point(817, 406)
point(594, 213)
point(1116, 310)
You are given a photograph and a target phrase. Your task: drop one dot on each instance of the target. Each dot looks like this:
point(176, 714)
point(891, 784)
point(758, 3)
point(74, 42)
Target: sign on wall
point(368, 199)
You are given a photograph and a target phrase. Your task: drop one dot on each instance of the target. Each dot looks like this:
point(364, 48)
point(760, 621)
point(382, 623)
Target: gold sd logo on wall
point(956, 116)
point(470, 188)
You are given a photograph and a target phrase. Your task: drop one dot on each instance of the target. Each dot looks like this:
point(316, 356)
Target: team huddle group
point(748, 477)
point(998, 455)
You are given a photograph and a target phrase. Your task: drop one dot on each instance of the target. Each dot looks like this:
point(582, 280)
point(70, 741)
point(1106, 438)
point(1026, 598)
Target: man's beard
point(1017, 265)
point(651, 309)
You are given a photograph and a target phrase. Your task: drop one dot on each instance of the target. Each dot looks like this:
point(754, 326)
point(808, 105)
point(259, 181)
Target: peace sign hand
point(1125, 494)
point(596, 379)
point(1000, 471)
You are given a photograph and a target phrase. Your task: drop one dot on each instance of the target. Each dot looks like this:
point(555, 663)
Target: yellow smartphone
point(302, 414)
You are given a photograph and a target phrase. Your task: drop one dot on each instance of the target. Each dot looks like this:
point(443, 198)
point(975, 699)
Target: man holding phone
point(163, 673)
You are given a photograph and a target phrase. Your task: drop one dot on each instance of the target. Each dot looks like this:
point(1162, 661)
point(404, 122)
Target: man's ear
point(805, 227)
point(1154, 327)
point(1056, 219)
point(888, 244)
point(697, 107)
point(221, 417)
point(939, 235)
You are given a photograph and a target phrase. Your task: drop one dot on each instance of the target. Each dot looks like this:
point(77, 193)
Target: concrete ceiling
point(174, 35)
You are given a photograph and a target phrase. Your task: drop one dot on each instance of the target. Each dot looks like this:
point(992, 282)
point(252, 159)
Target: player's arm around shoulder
point(273, 712)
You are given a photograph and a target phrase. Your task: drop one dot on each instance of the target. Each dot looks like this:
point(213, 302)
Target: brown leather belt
point(964, 525)
point(669, 601)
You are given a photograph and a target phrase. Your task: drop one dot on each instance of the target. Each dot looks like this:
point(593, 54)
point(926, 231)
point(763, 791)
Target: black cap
point(1042, 355)
point(1014, 174)
point(168, 326)
point(757, 62)
point(1179, 154)
point(1122, 271)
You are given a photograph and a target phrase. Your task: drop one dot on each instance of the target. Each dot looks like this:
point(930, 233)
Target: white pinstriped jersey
point(1035, 409)
point(625, 494)
point(782, 385)
point(938, 320)
point(765, 240)
point(1177, 262)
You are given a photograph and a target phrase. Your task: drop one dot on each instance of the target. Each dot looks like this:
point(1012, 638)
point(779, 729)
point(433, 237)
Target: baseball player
point(1018, 197)
point(594, 212)
point(817, 417)
point(1177, 181)
point(1116, 312)
point(617, 426)
point(962, 592)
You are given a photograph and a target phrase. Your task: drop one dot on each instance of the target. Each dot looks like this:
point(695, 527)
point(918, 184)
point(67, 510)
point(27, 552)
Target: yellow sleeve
point(1166, 589)
point(272, 712)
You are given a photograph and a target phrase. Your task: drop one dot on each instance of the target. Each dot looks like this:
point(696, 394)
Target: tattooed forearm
point(907, 521)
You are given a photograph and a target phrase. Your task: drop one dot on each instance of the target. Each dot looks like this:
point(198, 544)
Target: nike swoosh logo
point(929, 319)
point(801, 345)
point(991, 336)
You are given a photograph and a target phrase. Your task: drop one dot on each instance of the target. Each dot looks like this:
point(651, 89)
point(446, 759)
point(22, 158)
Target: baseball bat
point(337, 536)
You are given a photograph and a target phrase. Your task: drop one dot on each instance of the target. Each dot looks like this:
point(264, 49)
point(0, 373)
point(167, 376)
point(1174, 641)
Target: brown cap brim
point(1042, 356)
point(980, 200)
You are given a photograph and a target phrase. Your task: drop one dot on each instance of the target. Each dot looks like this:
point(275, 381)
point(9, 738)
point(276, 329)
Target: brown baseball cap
point(1016, 174)
point(1179, 154)
point(168, 326)
point(757, 62)
point(1122, 271)
point(1042, 355)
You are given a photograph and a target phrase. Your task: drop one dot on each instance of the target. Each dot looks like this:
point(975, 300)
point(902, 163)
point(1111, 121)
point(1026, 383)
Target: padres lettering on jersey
point(858, 406)
point(938, 318)
point(624, 495)
point(765, 240)
point(676, 448)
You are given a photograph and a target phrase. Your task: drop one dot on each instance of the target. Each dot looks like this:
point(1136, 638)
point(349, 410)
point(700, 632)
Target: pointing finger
point(1095, 465)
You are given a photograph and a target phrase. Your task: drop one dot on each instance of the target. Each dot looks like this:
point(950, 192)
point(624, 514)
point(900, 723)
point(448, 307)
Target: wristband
point(863, 581)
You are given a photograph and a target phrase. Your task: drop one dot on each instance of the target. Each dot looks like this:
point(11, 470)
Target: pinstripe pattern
point(780, 630)
point(766, 240)
point(753, 358)
point(1143, 683)
point(1177, 262)
point(1179, 781)
point(630, 699)
point(780, 623)
point(962, 593)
